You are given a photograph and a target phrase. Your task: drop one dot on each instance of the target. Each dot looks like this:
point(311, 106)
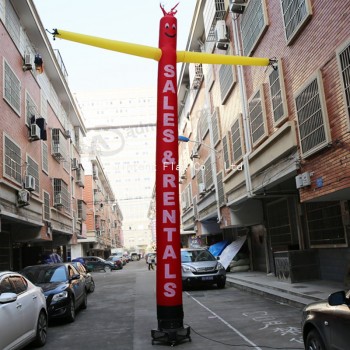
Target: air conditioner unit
point(238, 6)
point(29, 183)
point(75, 164)
point(35, 132)
point(27, 62)
point(221, 35)
point(58, 203)
point(23, 197)
point(201, 188)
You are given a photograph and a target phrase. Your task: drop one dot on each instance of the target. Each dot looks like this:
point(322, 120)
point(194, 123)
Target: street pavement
point(122, 312)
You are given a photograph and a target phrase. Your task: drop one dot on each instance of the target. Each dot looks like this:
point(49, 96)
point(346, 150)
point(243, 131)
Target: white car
point(23, 314)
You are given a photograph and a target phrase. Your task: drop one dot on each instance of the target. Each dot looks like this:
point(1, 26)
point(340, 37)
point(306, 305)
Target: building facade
point(267, 156)
point(42, 208)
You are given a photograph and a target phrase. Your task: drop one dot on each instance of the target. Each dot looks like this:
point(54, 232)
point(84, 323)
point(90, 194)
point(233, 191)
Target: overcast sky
point(135, 21)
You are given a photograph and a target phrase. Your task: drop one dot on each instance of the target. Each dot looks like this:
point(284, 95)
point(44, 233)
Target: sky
point(133, 21)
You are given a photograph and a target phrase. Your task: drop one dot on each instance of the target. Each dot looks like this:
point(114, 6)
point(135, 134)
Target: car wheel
point(84, 303)
point(314, 341)
point(92, 286)
point(41, 330)
point(107, 268)
point(221, 284)
point(71, 311)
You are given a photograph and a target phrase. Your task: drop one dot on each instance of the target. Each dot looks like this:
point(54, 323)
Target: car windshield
point(196, 255)
point(47, 274)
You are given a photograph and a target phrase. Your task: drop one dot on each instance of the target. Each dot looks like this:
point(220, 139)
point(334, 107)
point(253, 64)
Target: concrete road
point(122, 312)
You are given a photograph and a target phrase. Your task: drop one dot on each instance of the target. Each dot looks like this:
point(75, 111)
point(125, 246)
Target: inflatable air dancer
point(171, 329)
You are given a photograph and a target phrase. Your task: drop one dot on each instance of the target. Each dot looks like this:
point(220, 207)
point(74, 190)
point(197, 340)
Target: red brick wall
point(314, 48)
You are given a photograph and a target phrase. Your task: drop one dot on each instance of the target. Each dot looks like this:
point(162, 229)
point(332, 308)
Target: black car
point(95, 263)
point(89, 281)
point(326, 324)
point(64, 288)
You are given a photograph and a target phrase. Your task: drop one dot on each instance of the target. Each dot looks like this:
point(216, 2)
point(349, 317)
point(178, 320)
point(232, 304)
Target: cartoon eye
point(174, 26)
point(167, 26)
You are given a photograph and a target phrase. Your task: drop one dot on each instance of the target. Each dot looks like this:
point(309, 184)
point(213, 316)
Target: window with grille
point(12, 24)
point(213, 11)
point(236, 140)
point(208, 174)
point(81, 209)
point(30, 109)
point(45, 157)
point(257, 116)
point(12, 161)
point(312, 116)
point(209, 76)
point(226, 152)
point(204, 126)
point(344, 63)
point(46, 207)
point(59, 146)
point(61, 193)
point(278, 96)
point(227, 80)
point(221, 192)
point(195, 208)
point(279, 226)
point(325, 225)
point(12, 88)
point(295, 15)
point(254, 23)
point(215, 126)
point(189, 194)
point(33, 170)
point(200, 176)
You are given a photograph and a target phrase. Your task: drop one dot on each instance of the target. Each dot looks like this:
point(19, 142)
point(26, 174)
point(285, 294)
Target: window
point(208, 174)
point(33, 170)
point(215, 126)
point(203, 123)
point(213, 11)
point(343, 55)
point(226, 151)
point(209, 76)
point(12, 89)
point(278, 96)
point(295, 15)
point(236, 139)
point(12, 23)
point(324, 220)
point(254, 23)
point(13, 161)
point(46, 213)
point(61, 194)
point(227, 80)
point(312, 116)
point(45, 160)
point(257, 117)
point(221, 192)
point(30, 110)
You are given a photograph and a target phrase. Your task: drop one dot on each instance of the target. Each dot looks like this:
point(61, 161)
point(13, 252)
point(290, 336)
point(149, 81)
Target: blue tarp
point(217, 248)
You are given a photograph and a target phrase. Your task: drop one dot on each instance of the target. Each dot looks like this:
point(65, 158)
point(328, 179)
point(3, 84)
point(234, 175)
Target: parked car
point(200, 267)
point(95, 263)
point(23, 314)
point(89, 281)
point(135, 256)
point(63, 286)
point(325, 324)
point(121, 257)
point(116, 260)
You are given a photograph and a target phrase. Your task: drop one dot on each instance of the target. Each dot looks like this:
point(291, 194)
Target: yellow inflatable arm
point(113, 45)
point(209, 58)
